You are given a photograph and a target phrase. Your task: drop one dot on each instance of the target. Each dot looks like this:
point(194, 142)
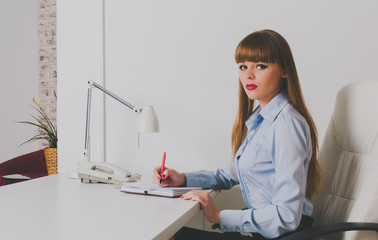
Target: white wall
point(18, 75)
point(79, 60)
point(178, 57)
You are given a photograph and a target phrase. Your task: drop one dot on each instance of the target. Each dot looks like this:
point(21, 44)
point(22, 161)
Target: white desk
point(56, 207)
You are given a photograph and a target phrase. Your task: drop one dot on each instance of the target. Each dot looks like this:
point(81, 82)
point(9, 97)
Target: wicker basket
point(51, 155)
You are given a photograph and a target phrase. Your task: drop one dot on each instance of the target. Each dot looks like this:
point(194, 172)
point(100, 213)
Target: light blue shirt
point(271, 167)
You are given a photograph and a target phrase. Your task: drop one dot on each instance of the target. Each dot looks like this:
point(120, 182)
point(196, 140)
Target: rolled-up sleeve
point(232, 220)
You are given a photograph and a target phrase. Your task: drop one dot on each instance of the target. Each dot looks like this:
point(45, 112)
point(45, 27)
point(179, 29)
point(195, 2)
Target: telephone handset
point(90, 172)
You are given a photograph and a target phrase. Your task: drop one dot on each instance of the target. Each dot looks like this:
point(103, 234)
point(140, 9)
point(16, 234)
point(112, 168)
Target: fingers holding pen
point(169, 177)
point(163, 178)
point(160, 178)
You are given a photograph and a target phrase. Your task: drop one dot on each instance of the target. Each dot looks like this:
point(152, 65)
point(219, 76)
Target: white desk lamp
point(106, 172)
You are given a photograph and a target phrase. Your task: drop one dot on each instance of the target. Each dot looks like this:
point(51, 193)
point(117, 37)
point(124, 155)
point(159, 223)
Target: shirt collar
point(270, 111)
point(249, 122)
point(274, 107)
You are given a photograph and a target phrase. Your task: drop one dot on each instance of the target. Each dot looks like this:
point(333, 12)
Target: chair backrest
point(31, 164)
point(349, 160)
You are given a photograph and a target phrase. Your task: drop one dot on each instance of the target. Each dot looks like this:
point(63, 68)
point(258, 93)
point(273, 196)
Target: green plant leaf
point(46, 129)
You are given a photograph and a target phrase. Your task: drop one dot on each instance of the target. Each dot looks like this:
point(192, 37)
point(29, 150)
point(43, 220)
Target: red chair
point(31, 165)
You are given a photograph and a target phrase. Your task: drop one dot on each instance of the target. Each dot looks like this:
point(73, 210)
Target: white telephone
point(90, 172)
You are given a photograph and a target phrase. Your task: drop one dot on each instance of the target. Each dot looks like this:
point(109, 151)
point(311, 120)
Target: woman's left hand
point(210, 210)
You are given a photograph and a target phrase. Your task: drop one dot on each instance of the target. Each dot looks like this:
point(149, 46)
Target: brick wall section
point(47, 57)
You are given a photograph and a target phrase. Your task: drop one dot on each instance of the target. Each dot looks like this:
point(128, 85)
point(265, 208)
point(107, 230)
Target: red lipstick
point(251, 86)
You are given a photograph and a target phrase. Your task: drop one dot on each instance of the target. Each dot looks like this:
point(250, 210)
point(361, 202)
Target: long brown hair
point(270, 46)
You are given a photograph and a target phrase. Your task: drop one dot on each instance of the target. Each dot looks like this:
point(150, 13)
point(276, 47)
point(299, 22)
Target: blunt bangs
point(257, 47)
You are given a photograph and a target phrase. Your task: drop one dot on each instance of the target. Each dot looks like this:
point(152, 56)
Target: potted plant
point(46, 131)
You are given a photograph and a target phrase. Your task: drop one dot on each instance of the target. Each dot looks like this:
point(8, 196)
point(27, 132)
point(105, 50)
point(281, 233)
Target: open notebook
point(149, 188)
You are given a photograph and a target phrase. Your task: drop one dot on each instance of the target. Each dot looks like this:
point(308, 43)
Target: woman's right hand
point(169, 177)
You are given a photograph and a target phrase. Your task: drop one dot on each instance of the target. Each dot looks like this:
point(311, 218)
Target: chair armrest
point(333, 228)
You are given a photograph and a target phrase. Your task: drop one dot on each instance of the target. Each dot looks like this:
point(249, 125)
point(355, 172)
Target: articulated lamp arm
point(93, 84)
point(147, 120)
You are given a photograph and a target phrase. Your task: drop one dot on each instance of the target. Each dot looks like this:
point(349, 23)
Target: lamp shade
point(147, 120)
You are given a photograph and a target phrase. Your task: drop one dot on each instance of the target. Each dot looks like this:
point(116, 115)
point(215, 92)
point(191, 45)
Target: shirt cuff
point(192, 180)
point(231, 220)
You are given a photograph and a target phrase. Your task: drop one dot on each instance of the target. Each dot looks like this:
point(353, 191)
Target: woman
point(274, 145)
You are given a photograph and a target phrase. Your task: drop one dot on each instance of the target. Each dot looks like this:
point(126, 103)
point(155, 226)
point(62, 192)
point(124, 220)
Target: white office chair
point(349, 159)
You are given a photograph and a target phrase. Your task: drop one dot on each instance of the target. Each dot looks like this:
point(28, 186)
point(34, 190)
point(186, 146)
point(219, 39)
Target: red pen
point(162, 166)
